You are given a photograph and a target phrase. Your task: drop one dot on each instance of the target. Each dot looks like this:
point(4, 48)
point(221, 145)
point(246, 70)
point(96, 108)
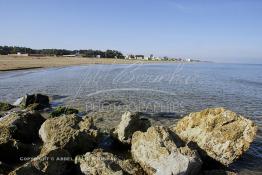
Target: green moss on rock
point(63, 110)
point(5, 106)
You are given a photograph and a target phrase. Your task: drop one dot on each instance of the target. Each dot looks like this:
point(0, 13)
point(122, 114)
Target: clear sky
point(216, 30)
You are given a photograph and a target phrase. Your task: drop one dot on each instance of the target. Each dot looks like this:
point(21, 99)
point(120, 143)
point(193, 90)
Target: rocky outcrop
point(63, 110)
point(220, 133)
point(104, 163)
point(35, 101)
point(53, 162)
point(130, 123)
point(25, 125)
point(69, 132)
point(159, 152)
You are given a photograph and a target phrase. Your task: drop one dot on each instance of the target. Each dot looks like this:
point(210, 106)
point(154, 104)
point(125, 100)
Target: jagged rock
point(35, 101)
point(220, 133)
point(25, 125)
point(5, 106)
point(53, 162)
point(63, 110)
point(104, 163)
point(75, 134)
point(159, 152)
point(130, 123)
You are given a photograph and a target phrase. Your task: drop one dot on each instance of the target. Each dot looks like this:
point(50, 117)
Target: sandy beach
point(8, 63)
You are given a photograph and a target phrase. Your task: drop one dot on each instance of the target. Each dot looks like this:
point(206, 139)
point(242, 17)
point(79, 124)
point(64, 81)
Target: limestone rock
point(221, 133)
point(104, 163)
point(130, 123)
point(53, 162)
point(10, 149)
point(36, 101)
point(159, 152)
point(25, 125)
point(68, 132)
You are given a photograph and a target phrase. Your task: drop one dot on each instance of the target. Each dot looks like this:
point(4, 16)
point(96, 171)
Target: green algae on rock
point(63, 110)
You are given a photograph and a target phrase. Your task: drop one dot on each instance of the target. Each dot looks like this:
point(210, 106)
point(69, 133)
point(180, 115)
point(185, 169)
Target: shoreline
point(12, 63)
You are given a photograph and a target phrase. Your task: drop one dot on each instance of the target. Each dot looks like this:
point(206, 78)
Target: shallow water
point(158, 88)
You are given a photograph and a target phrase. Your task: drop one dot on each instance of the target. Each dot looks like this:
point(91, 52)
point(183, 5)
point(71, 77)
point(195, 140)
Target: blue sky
point(223, 30)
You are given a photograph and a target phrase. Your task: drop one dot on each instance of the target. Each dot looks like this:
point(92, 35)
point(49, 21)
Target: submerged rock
point(5, 106)
point(75, 134)
point(130, 123)
point(53, 162)
point(63, 110)
point(220, 133)
point(104, 163)
point(159, 152)
point(35, 101)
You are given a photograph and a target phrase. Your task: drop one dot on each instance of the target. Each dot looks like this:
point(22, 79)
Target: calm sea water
point(157, 88)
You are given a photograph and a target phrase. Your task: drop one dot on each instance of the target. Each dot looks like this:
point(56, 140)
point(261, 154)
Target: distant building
point(98, 56)
point(139, 57)
point(69, 55)
point(19, 54)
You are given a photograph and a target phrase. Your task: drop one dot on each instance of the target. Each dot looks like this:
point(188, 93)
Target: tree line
point(5, 50)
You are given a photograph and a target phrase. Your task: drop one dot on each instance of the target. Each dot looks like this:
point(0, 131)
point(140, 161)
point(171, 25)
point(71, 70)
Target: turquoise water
point(169, 88)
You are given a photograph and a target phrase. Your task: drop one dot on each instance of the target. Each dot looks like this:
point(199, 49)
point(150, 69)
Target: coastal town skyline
point(189, 29)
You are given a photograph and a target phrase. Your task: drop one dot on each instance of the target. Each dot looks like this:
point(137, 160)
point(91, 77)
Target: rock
point(37, 101)
point(25, 125)
point(159, 152)
point(104, 163)
point(218, 172)
point(4, 168)
point(70, 132)
point(63, 110)
point(130, 123)
point(53, 162)
point(5, 106)
point(10, 149)
point(221, 134)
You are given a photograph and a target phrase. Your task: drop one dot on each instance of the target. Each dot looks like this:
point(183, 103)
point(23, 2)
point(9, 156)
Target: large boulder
point(220, 133)
point(53, 162)
point(70, 132)
point(104, 163)
point(130, 123)
point(36, 101)
point(159, 152)
point(25, 125)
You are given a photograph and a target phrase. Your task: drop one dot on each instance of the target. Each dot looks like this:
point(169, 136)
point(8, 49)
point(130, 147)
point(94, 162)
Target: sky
point(220, 31)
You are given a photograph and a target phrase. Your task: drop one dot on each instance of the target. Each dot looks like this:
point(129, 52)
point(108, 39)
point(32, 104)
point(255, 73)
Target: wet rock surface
point(220, 133)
